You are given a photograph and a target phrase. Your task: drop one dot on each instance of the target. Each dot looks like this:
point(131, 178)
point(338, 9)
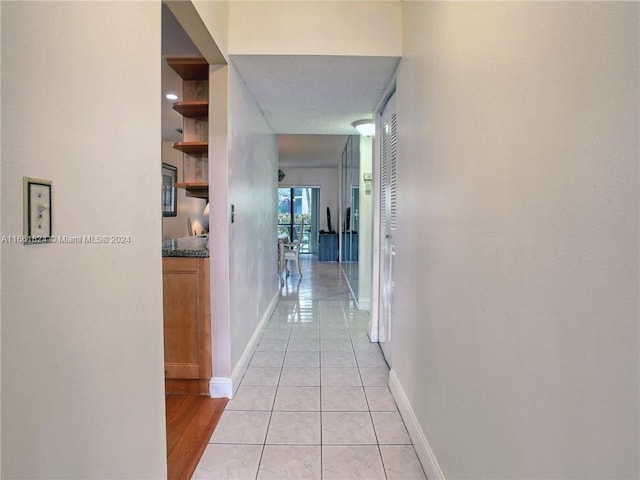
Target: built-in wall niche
point(194, 108)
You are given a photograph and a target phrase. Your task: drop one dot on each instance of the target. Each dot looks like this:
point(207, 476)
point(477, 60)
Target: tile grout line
point(266, 433)
point(320, 382)
point(384, 468)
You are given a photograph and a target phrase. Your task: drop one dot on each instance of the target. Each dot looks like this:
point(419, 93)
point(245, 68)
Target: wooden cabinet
point(194, 108)
point(187, 324)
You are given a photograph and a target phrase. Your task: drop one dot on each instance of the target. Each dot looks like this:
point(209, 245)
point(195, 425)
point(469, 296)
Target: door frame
point(376, 284)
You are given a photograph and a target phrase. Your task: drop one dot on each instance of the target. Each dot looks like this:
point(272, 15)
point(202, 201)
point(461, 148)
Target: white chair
point(291, 252)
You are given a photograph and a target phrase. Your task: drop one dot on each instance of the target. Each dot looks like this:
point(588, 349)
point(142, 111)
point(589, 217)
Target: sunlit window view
point(298, 216)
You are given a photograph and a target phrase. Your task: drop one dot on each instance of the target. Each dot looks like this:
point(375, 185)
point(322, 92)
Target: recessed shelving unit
point(194, 108)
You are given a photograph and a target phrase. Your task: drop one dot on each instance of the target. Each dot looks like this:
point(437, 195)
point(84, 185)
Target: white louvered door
point(388, 206)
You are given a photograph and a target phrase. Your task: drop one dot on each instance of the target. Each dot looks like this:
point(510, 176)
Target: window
point(295, 205)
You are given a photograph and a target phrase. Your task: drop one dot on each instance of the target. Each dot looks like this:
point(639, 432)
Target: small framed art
point(169, 179)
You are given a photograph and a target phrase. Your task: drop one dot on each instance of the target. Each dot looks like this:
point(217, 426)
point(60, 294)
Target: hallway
point(314, 402)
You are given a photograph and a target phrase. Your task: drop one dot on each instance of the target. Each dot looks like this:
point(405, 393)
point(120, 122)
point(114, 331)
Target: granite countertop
point(197, 246)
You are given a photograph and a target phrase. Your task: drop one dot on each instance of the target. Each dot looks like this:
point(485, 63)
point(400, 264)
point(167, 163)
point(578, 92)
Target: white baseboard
point(364, 304)
point(420, 442)
point(374, 331)
point(220, 387)
point(225, 386)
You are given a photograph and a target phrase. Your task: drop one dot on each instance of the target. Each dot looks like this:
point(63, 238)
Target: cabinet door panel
point(181, 323)
point(186, 318)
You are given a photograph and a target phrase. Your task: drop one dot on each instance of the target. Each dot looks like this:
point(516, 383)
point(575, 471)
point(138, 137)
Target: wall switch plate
point(37, 210)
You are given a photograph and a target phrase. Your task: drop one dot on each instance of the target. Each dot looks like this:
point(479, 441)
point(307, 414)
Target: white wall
point(365, 230)
point(242, 173)
point(1, 249)
point(220, 222)
point(215, 15)
point(82, 346)
point(187, 207)
point(326, 179)
point(205, 24)
point(516, 335)
point(253, 251)
point(315, 28)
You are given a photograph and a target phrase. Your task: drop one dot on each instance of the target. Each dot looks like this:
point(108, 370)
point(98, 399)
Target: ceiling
point(314, 93)
point(309, 101)
point(309, 150)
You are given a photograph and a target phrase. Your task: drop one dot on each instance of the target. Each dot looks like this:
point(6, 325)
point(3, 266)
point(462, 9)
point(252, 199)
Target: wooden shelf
point(196, 190)
point(193, 109)
point(192, 147)
point(190, 68)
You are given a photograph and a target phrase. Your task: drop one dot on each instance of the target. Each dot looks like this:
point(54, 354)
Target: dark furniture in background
point(328, 247)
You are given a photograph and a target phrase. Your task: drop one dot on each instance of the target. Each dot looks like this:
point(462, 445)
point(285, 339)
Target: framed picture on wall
point(169, 179)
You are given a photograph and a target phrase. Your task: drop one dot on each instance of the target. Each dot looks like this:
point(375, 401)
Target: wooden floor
point(191, 420)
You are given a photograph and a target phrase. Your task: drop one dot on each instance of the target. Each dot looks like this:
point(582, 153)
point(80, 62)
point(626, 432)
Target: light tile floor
point(315, 401)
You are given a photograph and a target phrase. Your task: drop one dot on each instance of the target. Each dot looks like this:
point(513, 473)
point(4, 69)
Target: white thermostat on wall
point(37, 210)
point(368, 180)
